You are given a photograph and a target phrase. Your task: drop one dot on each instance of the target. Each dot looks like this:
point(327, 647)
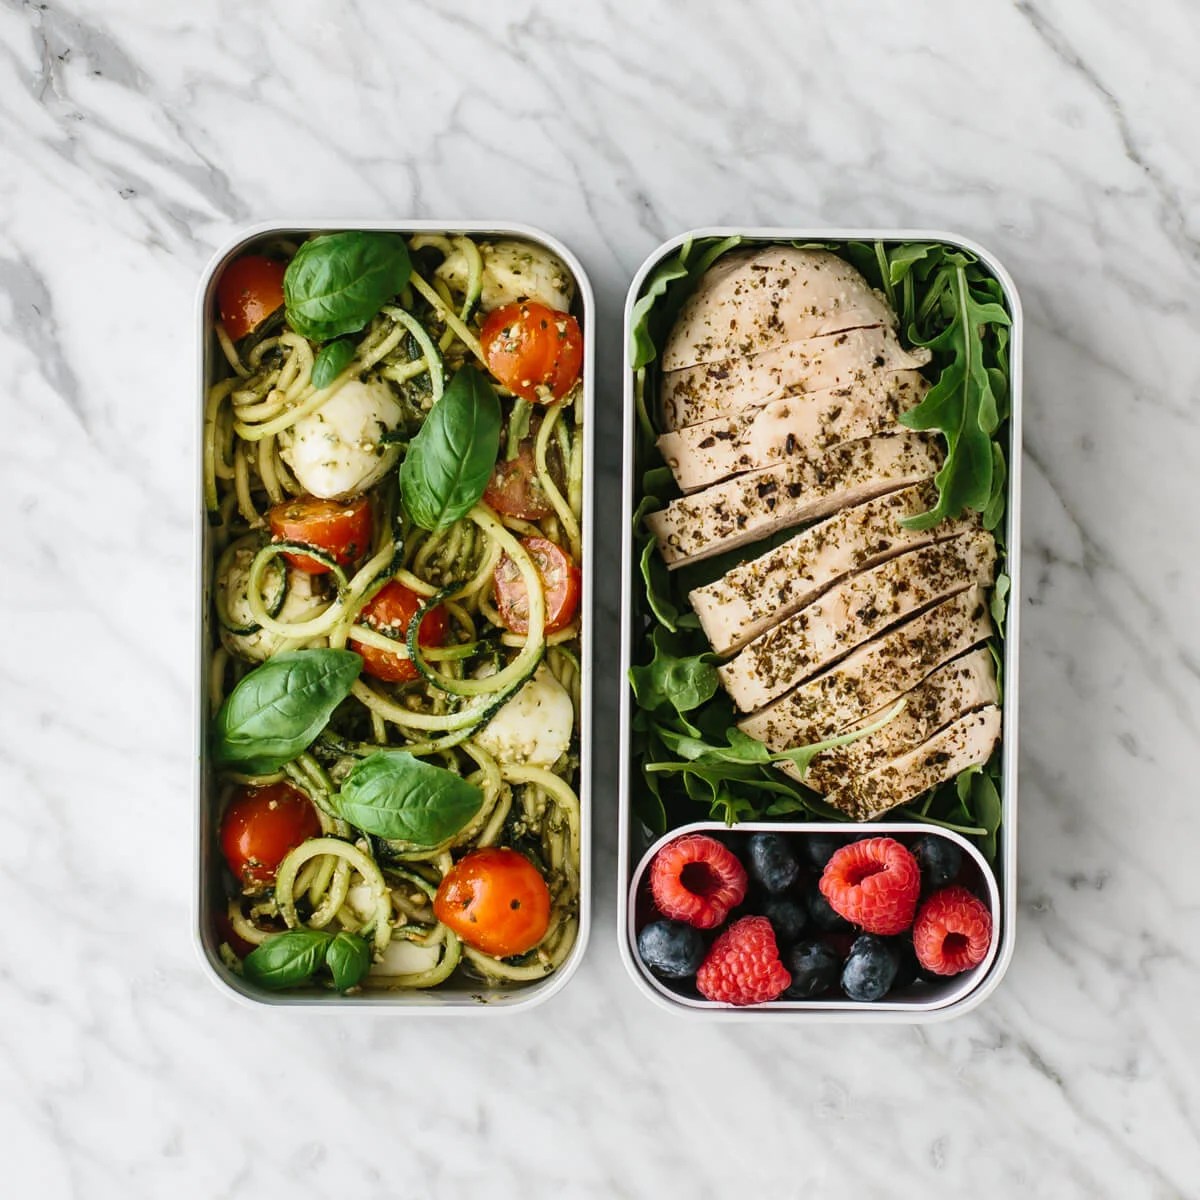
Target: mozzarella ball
point(513, 271)
point(336, 451)
point(534, 727)
point(301, 602)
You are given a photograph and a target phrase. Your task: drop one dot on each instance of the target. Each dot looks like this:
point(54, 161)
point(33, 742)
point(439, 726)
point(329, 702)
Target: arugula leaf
point(449, 462)
point(277, 710)
point(393, 795)
point(673, 680)
point(287, 960)
point(337, 282)
point(332, 359)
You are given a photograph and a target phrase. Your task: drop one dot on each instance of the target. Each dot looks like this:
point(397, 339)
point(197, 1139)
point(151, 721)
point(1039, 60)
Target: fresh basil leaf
point(332, 359)
point(450, 461)
point(393, 795)
point(348, 959)
point(674, 681)
point(337, 282)
point(286, 960)
point(279, 708)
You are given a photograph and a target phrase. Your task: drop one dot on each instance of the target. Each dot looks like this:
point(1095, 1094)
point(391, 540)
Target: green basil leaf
point(287, 960)
point(348, 959)
point(449, 462)
point(337, 282)
point(331, 361)
point(396, 796)
point(279, 708)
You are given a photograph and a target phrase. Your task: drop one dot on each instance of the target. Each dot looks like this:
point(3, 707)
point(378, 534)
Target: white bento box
point(456, 996)
point(636, 847)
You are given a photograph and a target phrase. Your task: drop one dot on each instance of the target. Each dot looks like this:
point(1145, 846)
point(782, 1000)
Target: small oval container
point(920, 1002)
point(634, 843)
point(458, 996)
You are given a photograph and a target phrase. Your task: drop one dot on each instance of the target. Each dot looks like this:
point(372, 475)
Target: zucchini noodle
point(435, 700)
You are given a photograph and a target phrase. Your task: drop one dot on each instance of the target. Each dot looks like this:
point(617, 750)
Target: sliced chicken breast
point(754, 505)
point(755, 595)
point(874, 676)
point(961, 686)
point(854, 611)
point(751, 300)
point(964, 743)
point(803, 425)
point(839, 360)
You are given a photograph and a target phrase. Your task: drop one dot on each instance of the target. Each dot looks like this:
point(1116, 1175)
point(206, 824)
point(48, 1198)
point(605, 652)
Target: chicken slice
point(750, 300)
point(815, 364)
point(854, 611)
point(874, 676)
point(964, 743)
point(755, 505)
point(756, 594)
point(803, 425)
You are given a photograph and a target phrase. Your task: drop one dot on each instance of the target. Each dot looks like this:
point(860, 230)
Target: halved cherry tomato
point(342, 528)
point(533, 350)
point(261, 825)
point(391, 612)
point(250, 290)
point(495, 900)
point(514, 489)
point(561, 580)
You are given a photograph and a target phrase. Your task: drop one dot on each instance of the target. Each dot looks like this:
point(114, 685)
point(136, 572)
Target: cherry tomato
point(261, 825)
point(227, 933)
point(495, 900)
point(342, 528)
point(250, 290)
point(533, 350)
point(560, 578)
point(391, 612)
point(514, 489)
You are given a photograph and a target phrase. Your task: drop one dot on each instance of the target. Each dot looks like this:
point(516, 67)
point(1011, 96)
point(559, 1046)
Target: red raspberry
point(952, 932)
point(697, 880)
point(743, 966)
point(874, 884)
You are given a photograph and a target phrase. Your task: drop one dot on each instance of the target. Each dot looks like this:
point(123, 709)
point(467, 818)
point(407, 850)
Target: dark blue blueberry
point(772, 862)
point(822, 915)
point(814, 968)
point(819, 848)
point(671, 948)
point(908, 968)
point(871, 968)
point(788, 917)
point(939, 858)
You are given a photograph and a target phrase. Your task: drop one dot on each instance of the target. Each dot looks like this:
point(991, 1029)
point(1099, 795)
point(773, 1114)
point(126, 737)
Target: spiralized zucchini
point(343, 879)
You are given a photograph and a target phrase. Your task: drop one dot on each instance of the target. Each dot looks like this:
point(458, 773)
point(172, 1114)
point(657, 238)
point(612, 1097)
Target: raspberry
point(743, 965)
point(873, 883)
point(697, 880)
point(952, 932)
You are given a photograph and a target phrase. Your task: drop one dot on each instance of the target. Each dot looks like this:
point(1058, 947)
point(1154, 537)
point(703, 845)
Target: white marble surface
point(138, 134)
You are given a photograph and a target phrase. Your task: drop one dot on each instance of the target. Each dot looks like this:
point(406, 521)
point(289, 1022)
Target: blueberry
point(908, 968)
point(671, 948)
point(822, 915)
point(871, 968)
point(814, 968)
point(939, 858)
point(819, 848)
point(788, 917)
point(772, 862)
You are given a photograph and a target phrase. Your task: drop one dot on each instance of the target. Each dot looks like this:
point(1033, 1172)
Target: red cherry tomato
point(495, 900)
point(533, 350)
point(342, 528)
point(261, 825)
point(227, 933)
point(514, 489)
point(391, 612)
point(249, 291)
point(561, 582)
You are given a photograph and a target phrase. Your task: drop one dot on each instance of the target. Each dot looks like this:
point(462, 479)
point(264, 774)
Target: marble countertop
point(137, 136)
